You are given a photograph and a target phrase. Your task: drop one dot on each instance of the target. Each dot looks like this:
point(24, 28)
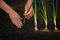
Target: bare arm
point(6, 7)
point(15, 18)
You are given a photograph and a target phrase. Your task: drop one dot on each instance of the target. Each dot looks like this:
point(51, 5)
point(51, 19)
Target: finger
point(28, 17)
point(19, 22)
point(28, 4)
point(31, 13)
point(19, 17)
point(15, 22)
point(28, 12)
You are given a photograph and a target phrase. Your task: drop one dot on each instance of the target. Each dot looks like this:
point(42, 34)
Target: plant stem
point(35, 14)
point(54, 12)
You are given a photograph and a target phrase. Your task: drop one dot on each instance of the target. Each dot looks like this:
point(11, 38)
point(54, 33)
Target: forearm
point(29, 1)
point(6, 7)
point(28, 4)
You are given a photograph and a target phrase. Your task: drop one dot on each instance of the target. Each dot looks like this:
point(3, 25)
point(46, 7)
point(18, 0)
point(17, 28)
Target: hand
point(16, 19)
point(29, 14)
point(28, 6)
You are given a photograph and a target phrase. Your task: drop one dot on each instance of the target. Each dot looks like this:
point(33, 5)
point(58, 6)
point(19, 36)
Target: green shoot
point(35, 14)
point(54, 12)
point(44, 13)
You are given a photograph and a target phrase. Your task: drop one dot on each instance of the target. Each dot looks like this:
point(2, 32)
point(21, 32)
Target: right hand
point(16, 19)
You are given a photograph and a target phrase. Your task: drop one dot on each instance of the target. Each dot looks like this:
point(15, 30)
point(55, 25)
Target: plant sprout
point(35, 14)
point(54, 12)
point(44, 13)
